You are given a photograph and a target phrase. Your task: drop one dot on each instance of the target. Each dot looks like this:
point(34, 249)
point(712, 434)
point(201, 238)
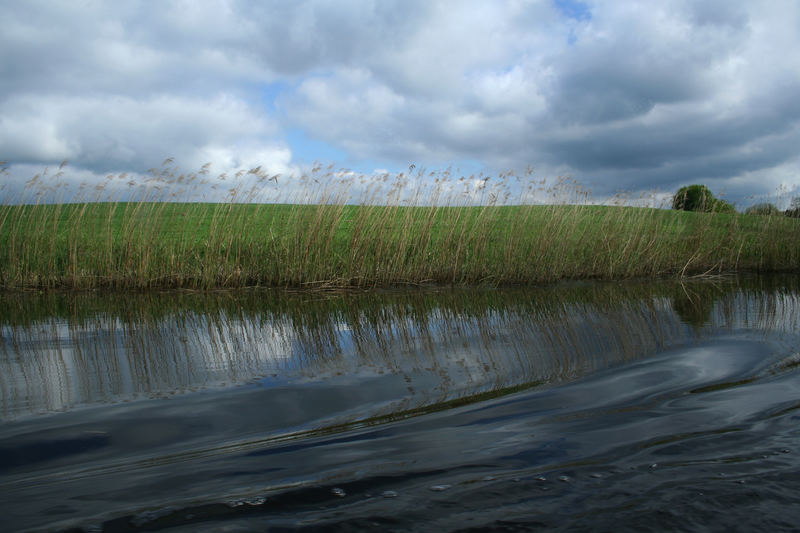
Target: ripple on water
point(609, 408)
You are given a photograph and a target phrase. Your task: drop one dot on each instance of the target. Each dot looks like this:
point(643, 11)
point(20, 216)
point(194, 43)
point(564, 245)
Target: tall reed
point(333, 229)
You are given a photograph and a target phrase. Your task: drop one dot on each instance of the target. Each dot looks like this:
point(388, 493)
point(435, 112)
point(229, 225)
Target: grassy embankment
point(159, 244)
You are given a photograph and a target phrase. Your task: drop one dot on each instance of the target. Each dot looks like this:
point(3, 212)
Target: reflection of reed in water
point(444, 344)
point(56, 363)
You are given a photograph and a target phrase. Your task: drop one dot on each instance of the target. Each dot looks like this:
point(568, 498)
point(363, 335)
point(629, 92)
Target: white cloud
point(225, 159)
point(120, 132)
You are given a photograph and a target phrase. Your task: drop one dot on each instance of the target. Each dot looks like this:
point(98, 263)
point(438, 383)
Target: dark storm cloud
point(680, 137)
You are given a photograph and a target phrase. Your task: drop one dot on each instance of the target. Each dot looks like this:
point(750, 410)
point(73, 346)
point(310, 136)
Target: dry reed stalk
point(414, 229)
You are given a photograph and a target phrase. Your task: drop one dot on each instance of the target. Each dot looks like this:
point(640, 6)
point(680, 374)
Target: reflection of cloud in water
point(444, 344)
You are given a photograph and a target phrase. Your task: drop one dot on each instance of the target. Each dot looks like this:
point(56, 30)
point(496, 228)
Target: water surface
point(581, 406)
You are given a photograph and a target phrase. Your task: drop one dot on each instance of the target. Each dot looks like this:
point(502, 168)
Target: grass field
point(160, 244)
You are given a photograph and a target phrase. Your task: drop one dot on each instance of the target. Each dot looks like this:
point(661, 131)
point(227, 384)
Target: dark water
point(590, 406)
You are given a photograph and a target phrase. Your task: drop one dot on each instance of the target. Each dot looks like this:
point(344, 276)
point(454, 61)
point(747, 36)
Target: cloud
point(621, 95)
point(121, 133)
point(634, 95)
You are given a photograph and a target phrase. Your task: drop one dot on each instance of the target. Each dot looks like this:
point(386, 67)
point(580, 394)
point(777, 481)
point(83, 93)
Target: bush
point(721, 206)
point(699, 198)
point(763, 209)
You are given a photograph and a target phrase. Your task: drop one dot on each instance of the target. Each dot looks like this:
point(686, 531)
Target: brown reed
point(336, 229)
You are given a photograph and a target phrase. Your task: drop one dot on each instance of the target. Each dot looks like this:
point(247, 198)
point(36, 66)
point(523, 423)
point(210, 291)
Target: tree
point(699, 198)
point(722, 206)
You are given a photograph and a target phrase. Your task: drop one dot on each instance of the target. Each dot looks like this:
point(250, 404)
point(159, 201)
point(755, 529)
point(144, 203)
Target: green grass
point(331, 244)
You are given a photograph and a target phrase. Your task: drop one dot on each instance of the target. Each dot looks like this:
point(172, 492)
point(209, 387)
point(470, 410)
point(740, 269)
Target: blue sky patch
point(307, 150)
point(573, 9)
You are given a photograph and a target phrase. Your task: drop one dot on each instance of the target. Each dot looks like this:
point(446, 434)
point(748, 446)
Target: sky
point(634, 97)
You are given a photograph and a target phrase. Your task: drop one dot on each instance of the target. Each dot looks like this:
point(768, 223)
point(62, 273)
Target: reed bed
point(333, 229)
